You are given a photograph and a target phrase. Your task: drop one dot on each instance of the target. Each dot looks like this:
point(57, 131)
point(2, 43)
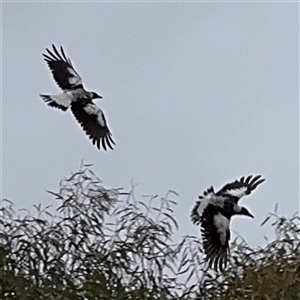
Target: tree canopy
point(101, 243)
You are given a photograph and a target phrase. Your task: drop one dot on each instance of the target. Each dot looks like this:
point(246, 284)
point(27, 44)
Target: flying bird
point(213, 212)
point(87, 113)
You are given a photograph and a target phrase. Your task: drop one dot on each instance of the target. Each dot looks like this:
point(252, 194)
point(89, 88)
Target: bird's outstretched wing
point(215, 236)
point(92, 120)
point(62, 69)
point(239, 188)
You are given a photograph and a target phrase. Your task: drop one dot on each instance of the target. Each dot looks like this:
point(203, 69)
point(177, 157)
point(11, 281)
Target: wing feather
point(62, 69)
point(239, 188)
point(207, 197)
point(215, 236)
point(93, 122)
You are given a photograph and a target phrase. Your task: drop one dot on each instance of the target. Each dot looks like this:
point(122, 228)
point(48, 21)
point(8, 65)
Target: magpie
point(87, 113)
point(213, 212)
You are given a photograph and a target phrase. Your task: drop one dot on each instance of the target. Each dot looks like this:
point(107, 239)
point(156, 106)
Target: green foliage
point(105, 244)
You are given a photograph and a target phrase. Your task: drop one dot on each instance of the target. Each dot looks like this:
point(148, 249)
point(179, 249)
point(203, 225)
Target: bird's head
point(244, 211)
point(96, 96)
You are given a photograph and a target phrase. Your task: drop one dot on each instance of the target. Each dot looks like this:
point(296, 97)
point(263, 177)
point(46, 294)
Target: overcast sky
point(195, 94)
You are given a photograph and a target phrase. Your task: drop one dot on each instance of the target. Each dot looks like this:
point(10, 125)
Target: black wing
point(62, 69)
point(92, 120)
point(215, 236)
point(241, 187)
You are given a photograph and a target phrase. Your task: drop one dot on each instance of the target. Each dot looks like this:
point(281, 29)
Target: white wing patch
point(239, 192)
point(100, 118)
point(203, 203)
point(63, 99)
point(74, 79)
point(209, 197)
point(93, 109)
point(222, 225)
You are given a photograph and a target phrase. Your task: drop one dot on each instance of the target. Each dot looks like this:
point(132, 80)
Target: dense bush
point(105, 244)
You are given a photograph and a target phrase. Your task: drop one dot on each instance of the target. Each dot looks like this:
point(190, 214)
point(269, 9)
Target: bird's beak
point(250, 215)
point(96, 96)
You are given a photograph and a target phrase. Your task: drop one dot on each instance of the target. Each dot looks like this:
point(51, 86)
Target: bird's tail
point(53, 101)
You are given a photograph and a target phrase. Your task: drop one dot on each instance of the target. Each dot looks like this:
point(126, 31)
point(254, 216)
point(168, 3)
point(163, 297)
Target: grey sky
point(195, 94)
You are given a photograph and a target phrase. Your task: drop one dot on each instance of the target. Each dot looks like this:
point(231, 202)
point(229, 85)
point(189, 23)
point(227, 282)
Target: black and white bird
point(213, 212)
point(86, 112)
